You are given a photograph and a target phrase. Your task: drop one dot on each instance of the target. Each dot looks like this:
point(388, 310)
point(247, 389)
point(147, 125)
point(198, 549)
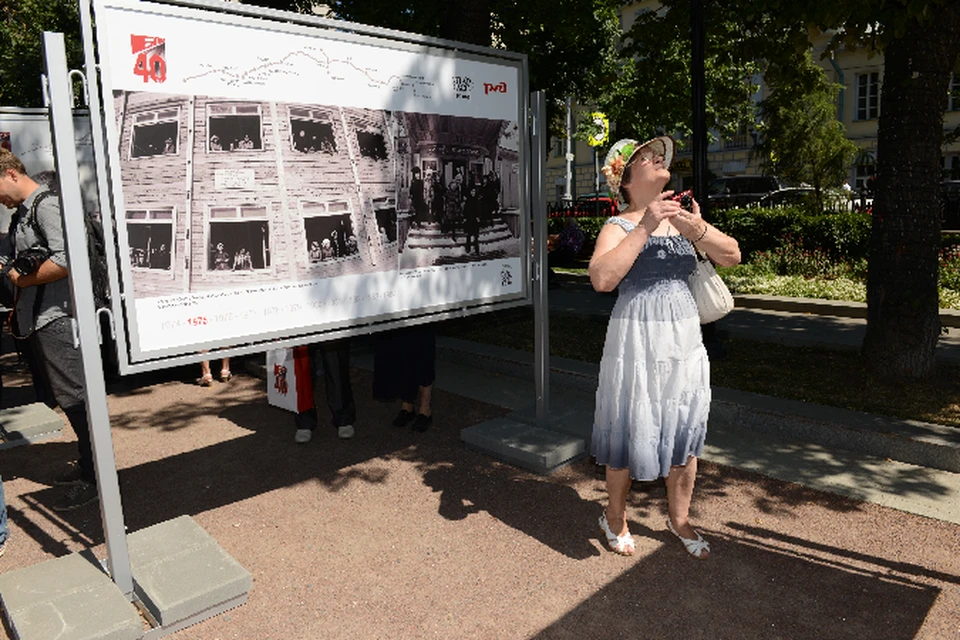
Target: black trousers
point(332, 358)
point(53, 346)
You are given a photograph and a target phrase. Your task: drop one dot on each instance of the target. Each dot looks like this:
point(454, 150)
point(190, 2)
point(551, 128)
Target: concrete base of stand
point(69, 598)
point(519, 443)
point(28, 423)
point(181, 577)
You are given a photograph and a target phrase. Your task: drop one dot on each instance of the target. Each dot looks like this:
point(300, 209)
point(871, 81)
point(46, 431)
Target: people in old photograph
point(418, 198)
point(330, 237)
point(310, 136)
point(235, 133)
point(154, 139)
point(220, 259)
point(471, 219)
point(239, 246)
point(458, 207)
point(150, 245)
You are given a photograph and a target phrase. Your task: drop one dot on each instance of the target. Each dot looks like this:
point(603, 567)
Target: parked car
point(595, 204)
point(786, 197)
point(739, 191)
point(950, 205)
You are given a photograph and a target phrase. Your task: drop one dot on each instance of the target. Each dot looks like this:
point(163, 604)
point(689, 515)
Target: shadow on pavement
point(749, 588)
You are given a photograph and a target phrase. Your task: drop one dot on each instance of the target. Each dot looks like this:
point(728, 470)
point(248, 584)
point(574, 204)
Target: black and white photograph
point(330, 189)
point(459, 192)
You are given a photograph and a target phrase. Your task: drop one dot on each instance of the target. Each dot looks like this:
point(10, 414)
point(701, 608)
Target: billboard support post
point(85, 313)
point(540, 305)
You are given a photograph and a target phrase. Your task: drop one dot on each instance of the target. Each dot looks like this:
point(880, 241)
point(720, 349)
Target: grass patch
point(813, 374)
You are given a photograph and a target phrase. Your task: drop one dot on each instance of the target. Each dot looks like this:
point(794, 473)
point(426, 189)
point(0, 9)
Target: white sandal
point(697, 547)
point(618, 544)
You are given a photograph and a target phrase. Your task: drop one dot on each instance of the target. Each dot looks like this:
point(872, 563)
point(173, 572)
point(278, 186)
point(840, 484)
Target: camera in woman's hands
point(685, 198)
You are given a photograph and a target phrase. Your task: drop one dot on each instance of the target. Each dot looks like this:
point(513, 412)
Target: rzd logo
point(495, 88)
point(151, 62)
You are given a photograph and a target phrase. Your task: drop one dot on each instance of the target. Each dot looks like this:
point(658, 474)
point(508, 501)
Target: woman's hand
point(690, 223)
point(662, 208)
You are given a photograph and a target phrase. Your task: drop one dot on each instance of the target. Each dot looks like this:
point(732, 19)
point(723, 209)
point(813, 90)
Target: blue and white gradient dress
point(653, 399)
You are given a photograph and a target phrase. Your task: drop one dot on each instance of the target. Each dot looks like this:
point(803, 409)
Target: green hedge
point(844, 236)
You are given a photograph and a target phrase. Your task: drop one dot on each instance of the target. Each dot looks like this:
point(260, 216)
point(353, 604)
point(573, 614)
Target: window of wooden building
point(234, 127)
point(311, 131)
point(328, 231)
point(385, 211)
point(372, 145)
point(155, 133)
point(238, 238)
point(150, 238)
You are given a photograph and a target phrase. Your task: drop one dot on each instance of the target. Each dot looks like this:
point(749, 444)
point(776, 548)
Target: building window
point(737, 139)
point(328, 230)
point(385, 210)
point(311, 132)
point(953, 96)
point(862, 176)
point(558, 144)
point(951, 167)
point(239, 238)
point(234, 127)
point(372, 145)
point(155, 133)
point(150, 238)
point(868, 95)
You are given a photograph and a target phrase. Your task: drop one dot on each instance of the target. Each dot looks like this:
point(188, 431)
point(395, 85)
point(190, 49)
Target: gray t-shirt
point(55, 300)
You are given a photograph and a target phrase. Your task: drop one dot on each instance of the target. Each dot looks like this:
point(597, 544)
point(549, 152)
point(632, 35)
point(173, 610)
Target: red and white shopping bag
point(289, 385)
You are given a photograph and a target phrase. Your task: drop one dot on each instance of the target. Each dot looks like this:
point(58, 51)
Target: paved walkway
point(402, 535)
point(912, 488)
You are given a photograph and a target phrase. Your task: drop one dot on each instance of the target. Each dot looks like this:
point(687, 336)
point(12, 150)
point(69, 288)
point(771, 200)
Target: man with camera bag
point(34, 258)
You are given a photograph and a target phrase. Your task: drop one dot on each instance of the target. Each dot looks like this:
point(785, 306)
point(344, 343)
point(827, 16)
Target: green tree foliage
point(920, 40)
point(571, 45)
point(650, 92)
point(22, 23)
point(801, 138)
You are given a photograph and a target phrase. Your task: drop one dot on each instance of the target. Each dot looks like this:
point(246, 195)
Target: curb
point(910, 441)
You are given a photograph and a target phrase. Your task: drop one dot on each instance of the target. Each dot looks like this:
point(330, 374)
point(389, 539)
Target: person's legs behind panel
point(53, 343)
point(335, 357)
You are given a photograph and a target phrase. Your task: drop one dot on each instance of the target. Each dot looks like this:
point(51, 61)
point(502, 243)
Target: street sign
point(603, 132)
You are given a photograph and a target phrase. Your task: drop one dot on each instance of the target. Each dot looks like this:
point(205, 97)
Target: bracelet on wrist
point(702, 234)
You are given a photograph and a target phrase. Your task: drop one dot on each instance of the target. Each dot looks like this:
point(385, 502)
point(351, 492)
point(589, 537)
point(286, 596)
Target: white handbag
point(709, 291)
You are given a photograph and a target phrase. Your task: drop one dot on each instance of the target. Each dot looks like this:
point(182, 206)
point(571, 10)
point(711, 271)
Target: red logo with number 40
point(150, 57)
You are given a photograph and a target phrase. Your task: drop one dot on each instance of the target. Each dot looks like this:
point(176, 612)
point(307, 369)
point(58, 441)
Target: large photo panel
point(272, 181)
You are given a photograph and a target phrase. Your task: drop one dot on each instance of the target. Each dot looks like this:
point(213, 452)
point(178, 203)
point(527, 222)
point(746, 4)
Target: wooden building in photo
point(223, 193)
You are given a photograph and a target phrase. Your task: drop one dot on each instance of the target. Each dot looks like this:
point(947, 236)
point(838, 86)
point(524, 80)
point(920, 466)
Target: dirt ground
point(396, 534)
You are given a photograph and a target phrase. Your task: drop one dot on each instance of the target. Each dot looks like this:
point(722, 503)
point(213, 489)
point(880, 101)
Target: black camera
point(685, 199)
point(29, 261)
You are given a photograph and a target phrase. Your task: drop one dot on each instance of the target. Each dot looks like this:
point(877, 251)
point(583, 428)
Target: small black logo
point(462, 86)
point(506, 277)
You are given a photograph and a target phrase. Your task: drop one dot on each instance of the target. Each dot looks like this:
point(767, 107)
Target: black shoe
point(73, 476)
point(421, 423)
point(403, 419)
point(79, 495)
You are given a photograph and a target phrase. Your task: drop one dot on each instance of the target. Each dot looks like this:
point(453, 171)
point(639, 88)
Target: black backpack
point(96, 251)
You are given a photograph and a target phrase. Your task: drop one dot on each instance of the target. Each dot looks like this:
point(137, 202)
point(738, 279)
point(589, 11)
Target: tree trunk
point(902, 303)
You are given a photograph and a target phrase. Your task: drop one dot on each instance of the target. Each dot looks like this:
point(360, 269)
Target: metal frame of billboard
point(216, 12)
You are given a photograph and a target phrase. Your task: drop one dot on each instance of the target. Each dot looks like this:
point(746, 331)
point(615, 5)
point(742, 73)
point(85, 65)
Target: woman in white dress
point(653, 397)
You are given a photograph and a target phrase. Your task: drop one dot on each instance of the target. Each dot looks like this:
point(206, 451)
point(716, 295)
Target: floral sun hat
point(621, 154)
